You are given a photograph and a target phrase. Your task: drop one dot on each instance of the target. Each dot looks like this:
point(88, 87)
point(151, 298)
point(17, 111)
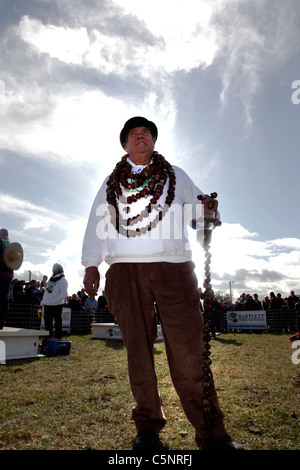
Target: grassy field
point(83, 402)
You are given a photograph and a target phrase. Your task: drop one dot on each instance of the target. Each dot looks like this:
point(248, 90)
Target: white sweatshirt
point(58, 292)
point(167, 242)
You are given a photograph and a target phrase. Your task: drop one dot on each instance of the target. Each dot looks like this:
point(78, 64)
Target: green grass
point(83, 401)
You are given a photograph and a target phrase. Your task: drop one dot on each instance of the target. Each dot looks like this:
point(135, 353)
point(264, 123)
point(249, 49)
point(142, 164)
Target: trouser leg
point(131, 301)
point(182, 327)
point(4, 288)
point(48, 317)
point(57, 321)
point(53, 312)
point(131, 290)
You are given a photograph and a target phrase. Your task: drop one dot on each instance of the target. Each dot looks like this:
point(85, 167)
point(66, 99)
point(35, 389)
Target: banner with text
point(251, 320)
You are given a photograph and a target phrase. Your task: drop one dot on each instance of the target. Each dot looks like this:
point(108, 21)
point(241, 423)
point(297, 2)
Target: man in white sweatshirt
point(138, 225)
point(54, 298)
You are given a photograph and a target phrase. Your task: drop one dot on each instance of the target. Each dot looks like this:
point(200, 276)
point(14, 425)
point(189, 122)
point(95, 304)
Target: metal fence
point(24, 316)
point(30, 316)
point(278, 321)
point(82, 321)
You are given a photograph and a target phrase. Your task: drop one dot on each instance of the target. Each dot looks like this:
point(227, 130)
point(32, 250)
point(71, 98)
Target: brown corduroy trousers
point(131, 289)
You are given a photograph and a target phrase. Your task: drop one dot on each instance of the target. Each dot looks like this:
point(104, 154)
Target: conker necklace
point(153, 177)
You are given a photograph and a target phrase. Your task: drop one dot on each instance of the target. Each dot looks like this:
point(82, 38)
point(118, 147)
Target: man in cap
point(6, 276)
point(137, 225)
point(54, 298)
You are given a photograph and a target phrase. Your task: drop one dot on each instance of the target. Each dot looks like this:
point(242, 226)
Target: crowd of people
point(31, 292)
point(251, 302)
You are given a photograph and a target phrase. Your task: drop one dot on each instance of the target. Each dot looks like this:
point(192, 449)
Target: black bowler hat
point(137, 121)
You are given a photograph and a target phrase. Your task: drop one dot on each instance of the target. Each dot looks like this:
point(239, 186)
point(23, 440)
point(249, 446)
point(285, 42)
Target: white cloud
point(178, 45)
point(33, 216)
point(256, 266)
point(189, 39)
point(286, 243)
point(255, 39)
point(74, 122)
point(79, 125)
point(233, 231)
point(66, 44)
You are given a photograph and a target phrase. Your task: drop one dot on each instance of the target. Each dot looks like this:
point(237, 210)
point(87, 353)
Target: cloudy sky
point(220, 78)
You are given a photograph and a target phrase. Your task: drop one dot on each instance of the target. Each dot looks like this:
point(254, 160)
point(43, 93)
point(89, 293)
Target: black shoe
point(223, 443)
point(147, 441)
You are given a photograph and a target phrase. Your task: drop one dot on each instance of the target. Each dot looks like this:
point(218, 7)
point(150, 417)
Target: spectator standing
point(102, 302)
point(242, 300)
point(54, 298)
point(90, 305)
point(6, 276)
point(266, 303)
point(280, 301)
point(33, 295)
point(44, 282)
point(19, 294)
point(74, 303)
point(273, 301)
point(82, 297)
point(292, 300)
point(258, 304)
point(250, 303)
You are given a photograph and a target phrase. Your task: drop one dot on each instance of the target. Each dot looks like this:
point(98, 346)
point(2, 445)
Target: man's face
point(140, 145)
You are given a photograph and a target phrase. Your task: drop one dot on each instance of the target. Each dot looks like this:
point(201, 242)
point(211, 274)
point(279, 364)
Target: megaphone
point(13, 256)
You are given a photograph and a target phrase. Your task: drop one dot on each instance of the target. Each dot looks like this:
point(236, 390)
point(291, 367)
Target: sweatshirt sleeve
point(63, 294)
point(94, 246)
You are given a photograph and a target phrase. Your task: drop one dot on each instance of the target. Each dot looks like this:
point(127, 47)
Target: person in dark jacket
point(6, 276)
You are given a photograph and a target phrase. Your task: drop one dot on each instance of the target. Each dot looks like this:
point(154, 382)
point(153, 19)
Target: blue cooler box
point(56, 347)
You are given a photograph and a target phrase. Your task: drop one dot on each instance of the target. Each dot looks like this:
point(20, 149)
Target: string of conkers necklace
point(155, 176)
